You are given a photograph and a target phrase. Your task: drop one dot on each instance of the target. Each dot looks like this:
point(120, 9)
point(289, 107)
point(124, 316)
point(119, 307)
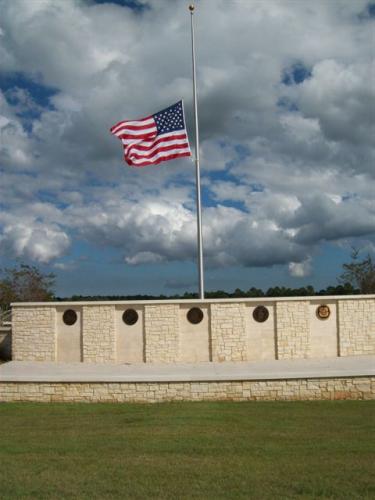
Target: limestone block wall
point(98, 334)
point(293, 329)
point(34, 334)
point(228, 332)
point(162, 333)
point(362, 388)
point(356, 319)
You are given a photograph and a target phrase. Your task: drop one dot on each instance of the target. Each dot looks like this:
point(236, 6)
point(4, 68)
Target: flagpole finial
point(191, 8)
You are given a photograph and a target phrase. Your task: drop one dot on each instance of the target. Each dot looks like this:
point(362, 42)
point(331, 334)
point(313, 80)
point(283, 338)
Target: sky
point(286, 93)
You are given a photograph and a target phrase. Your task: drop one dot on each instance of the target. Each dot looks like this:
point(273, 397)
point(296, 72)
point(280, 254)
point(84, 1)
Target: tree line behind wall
point(24, 283)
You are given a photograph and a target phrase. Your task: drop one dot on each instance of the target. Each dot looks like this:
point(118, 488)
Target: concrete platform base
point(336, 378)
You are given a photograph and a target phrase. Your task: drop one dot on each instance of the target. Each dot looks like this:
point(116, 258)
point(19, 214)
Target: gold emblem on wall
point(323, 311)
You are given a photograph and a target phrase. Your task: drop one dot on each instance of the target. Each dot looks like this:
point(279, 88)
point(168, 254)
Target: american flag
point(154, 139)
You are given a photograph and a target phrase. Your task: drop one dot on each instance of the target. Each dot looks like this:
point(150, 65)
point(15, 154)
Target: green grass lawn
point(188, 450)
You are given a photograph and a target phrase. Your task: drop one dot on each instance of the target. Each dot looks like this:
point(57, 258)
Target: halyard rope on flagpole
point(197, 165)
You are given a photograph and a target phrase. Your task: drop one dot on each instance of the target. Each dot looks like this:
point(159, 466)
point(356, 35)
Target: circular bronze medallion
point(260, 314)
point(130, 317)
point(69, 317)
point(195, 315)
point(323, 311)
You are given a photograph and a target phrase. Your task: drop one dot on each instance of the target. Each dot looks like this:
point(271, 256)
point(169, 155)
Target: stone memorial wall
point(218, 330)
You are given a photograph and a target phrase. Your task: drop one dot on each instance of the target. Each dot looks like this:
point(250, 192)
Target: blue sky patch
point(286, 104)
point(239, 205)
point(134, 5)
point(41, 94)
point(221, 175)
point(257, 188)
point(295, 74)
point(371, 10)
point(368, 12)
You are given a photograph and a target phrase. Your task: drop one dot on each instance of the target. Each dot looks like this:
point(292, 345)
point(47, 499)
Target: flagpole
point(197, 164)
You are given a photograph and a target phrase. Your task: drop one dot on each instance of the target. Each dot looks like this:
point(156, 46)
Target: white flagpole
point(197, 167)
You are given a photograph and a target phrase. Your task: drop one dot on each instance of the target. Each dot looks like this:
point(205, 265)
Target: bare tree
point(25, 283)
point(360, 273)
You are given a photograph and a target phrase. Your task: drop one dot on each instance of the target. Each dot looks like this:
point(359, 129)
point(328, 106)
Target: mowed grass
point(188, 450)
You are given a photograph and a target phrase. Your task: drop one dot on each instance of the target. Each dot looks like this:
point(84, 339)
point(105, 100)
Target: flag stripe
point(130, 128)
point(160, 154)
point(124, 124)
point(151, 154)
point(129, 139)
point(160, 138)
point(165, 137)
point(140, 146)
point(159, 160)
point(136, 153)
point(135, 133)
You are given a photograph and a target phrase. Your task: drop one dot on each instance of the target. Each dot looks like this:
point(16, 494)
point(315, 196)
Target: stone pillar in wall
point(162, 333)
point(228, 332)
point(34, 333)
point(293, 329)
point(98, 334)
point(356, 327)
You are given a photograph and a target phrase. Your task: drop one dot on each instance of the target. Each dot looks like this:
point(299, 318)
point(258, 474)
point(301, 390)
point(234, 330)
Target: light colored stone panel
point(293, 329)
point(156, 392)
point(130, 344)
point(194, 339)
point(34, 334)
point(69, 337)
point(162, 333)
point(357, 327)
point(98, 334)
point(323, 332)
point(261, 337)
point(228, 332)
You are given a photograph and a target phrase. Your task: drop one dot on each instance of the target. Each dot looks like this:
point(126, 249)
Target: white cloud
point(339, 96)
point(300, 269)
point(294, 177)
point(144, 258)
point(38, 242)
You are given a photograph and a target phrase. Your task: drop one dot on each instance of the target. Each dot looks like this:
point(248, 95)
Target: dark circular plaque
point(69, 317)
point(260, 314)
point(130, 317)
point(323, 311)
point(195, 315)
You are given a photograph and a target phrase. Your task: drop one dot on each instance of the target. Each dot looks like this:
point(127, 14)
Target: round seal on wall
point(195, 315)
point(130, 317)
point(323, 311)
point(69, 317)
point(260, 314)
